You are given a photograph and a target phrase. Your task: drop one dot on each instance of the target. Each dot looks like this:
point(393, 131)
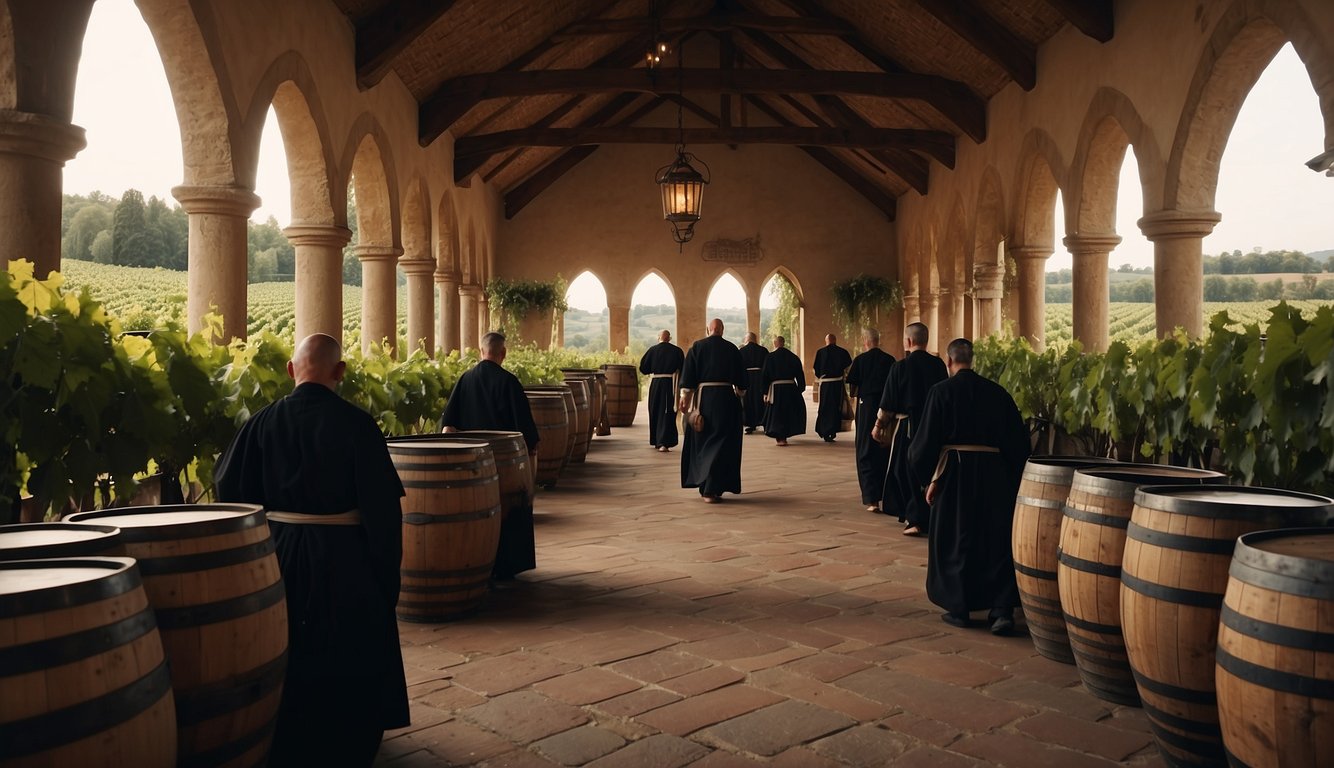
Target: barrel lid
point(48, 536)
point(175, 521)
point(609, 366)
point(542, 393)
point(28, 584)
point(488, 434)
point(1237, 502)
point(579, 371)
point(442, 444)
point(1292, 560)
point(1123, 480)
point(1062, 467)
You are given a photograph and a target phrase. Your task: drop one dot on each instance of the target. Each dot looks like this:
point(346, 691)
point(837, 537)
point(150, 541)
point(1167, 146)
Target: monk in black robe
point(866, 383)
point(831, 364)
point(752, 356)
point(784, 381)
point(320, 464)
point(490, 397)
point(970, 451)
point(896, 423)
point(662, 364)
point(712, 378)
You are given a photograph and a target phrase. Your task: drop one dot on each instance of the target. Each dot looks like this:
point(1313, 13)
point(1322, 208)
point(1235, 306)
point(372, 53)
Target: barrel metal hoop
point(1188, 695)
point(1233, 761)
point(116, 582)
point(206, 702)
point(253, 518)
point(1039, 610)
point(440, 589)
point(473, 483)
point(1198, 544)
point(1170, 720)
point(222, 610)
point(1245, 572)
point(1029, 501)
point(203, 561)
point(66, 649)
point(1177, 595)
point(1096, 518)
point(79, 721)
point(1276, 679)
point(1092, 626)
point(1278, 634)
point(225, 753)
point(1036, 573)
point(1089, 566)
point(421, 518)
point(1122, 663)
point(481, 570)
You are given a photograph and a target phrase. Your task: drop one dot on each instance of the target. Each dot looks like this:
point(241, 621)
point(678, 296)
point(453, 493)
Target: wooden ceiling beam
point(455, 97)
point(466, 165)
point(1092, 17)
point(856, 42)
point(714, 22)
point(866, 138)
point(389, 31)
point(989, 36)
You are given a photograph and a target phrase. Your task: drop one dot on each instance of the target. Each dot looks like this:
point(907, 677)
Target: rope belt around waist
point(752, 369)
point(350, 517)
point(961, 448)
point(827, 379)
point(899, 419)
point(662, 375)
point(715, 384)
point(769, 396)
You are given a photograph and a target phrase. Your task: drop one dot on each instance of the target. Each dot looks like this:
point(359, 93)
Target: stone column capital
point(367, 252)
point(471, 290)
point(1081, 244)
point(417, 266)
point(988, 281)
point(1177, 225)
point(1030, 252)
point(221, 201)
point(330, 235)
point(40, 136)
point(447, 278)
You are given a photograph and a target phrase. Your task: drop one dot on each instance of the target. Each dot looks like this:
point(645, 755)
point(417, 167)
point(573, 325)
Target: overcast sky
point(1267, 196)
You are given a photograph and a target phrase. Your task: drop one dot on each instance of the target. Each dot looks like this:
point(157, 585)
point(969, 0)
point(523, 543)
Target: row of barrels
point(1209, 605)
point(589, 402)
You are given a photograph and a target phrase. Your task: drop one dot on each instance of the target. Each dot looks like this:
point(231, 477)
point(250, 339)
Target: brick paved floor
point(784, 627)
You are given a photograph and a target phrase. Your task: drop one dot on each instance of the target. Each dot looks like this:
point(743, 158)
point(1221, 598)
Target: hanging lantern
point(682, 193)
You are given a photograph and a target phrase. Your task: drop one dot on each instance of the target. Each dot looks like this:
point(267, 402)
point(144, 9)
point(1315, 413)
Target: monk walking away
point(713, 380)
point(320, 466)
point(753, 355)
point(784, 381)
point(970, 453)
point(896, 422)
point(866, 385)
point(831, 364)
point(490, 397)
point(662, 364)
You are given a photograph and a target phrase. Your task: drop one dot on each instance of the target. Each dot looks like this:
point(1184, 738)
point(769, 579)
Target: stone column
point(379, 295)
point(447, 283)
point(421, 305)
point(1031, 264)
point(752, 315)
point(1090, 297)
point(1178, 267)
point(319, 277)
point(927, 304)
point(618, 334)
point(560, 329)
point(469, 295)
point(33, 152)
point(690, 321)
point(483, 315)
point(988, 289)
point(912, 310)
point(216, 277)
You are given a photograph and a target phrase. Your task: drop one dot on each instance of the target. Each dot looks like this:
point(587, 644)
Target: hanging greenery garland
point(512, 300)
point(859, 301)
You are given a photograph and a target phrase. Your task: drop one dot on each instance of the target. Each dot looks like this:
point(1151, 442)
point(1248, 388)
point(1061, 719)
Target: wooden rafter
point(1092, 17)
point(990, 37)
point(714, 22)
point(859, 44)
point(463, 164)
point(455, 97)
point(389, 32)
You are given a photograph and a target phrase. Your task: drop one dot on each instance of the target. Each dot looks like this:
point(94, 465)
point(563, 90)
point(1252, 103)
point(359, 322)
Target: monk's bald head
point(715, 327)
point(318, 359)
point(751, 338)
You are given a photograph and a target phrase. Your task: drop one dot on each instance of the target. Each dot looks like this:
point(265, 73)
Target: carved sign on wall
point(743, 252)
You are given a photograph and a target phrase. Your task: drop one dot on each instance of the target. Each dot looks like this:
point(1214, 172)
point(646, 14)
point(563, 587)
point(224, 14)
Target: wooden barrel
point(83, 679)
point(553, 429)
point(582, 411)
point(1034, 539)
point(517, 550)
point(622, 394)
point(1178, 550)
point(1276, 650)
point(604, 425)
point(38, 540)
point(213, 581)
point(596, 395)
point(451, 525)
point(1088, 570)
point(571, 416)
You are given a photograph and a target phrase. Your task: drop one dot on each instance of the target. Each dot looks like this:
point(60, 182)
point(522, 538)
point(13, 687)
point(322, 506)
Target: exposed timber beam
point(715, 22)
point(856, 42)
point(389, 31)
point(990, 37)
point(1092, 17)
point(931, 142)
point(455, 97)
point(523, 194)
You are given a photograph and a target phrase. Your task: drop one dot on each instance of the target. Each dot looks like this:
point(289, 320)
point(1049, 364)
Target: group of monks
point(937, 445)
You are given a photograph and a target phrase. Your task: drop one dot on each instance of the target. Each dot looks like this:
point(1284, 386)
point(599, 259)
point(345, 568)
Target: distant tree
point(1059, 294)
point(101, 249)
point(1125, 268)
point(351, 269)
point(1270, 291)
point(1141, 291)
point(1216, 288)
point(1060, 276)
point(1242, 289)
point(265, 266)
point(129, 223)
point(91, 219)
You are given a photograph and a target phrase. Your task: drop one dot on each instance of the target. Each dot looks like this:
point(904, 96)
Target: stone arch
point(368, 164)
point(468, 255)
point(788, 275)
point(1111, 125)
point(415, 230)
point(290, 87)
point(447, 243)
point(952, 258)
point(661, 276)
point(989, 267)
point(1040, 170)
point(735, 276)
point(1245, 40)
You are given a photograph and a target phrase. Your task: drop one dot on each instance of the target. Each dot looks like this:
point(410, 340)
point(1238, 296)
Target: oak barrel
point(83, 678)
point(566, 391)
point(1275, 663)
point(1088, 571)
point(582, 412)
point(451, 525)
point(622, 394)
point(1034, 539)
point(39, 540)
point(597, 395)
point(553, 430)
point(516, 550)
point(1178, 550)
point(213, 581)
point(604, 426)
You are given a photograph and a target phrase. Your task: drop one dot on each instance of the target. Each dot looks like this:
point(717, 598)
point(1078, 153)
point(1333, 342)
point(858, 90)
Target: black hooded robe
point(753, 356)
point(905, 393)
point(661, 361)
point(711, 459)
point(867, 375)
point(785, 415)
point(831, 362)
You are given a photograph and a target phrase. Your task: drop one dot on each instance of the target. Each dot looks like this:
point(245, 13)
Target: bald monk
point(831, 364)
point(753, 355)
point(320, 467)
point(712, 378)
point(662, 364)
